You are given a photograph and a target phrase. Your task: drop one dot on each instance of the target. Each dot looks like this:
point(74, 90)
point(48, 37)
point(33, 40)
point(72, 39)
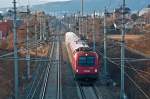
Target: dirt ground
point(136, 43)
point(127, 37)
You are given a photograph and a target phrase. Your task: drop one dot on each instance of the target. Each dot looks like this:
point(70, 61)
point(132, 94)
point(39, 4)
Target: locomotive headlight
point(77, 70)
point(95, 70)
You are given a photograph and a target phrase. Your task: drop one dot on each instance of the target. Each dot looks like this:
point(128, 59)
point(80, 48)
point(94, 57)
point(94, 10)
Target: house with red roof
point(5, 28)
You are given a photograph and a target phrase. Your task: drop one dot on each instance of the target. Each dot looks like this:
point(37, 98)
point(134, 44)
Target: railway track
point(59, 86)
point(52, 88)
point(45, 82)
point(88, 92)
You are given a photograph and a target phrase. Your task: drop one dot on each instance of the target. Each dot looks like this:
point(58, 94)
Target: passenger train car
point(85, 63)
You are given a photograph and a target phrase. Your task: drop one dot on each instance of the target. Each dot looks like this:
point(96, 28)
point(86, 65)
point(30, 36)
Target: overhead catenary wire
point(37, 80)
point(3, 56)
point(42, 94)
point(34, 83)
point(140, 89)
point(23, 59)
point(132, 68)
point(11, 53)
point(134, 82)
point(112, 60)
point(137, 86)
point(131, 59)
point(37, 85)
point(139, 74)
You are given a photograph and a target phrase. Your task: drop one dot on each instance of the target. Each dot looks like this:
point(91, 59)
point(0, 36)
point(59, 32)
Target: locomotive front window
point(86, 61)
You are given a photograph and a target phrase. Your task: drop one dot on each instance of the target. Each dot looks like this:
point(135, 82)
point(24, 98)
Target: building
point(5, 28)
point(145, 15)
point(144, 11)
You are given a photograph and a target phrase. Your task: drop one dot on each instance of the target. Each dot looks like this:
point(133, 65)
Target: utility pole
point(40, 27)
point(105, 46)
point(27, 45)
point(86, 27)
point(44, 27)
point(16, 79)
point(35, 30)
point(47, 27)
point(76, 23)
point(94, 32)
point(122, 91)
point(82, 19)
point(79, 22)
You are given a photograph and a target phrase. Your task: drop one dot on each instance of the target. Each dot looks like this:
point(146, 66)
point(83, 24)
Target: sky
point(8, 3)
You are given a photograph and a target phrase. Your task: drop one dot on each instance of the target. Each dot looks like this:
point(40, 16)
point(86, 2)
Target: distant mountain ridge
point(90, 5)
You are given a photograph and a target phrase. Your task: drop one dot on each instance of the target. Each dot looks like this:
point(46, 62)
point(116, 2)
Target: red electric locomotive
point(85, 63)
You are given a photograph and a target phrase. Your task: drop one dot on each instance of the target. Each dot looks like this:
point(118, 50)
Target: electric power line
point(140, 89)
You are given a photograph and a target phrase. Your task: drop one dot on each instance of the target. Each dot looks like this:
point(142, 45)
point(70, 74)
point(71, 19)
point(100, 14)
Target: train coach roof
point(71, 37)
point(76, 45)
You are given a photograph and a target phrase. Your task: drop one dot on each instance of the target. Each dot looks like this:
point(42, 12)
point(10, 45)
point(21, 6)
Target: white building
point(144, 11)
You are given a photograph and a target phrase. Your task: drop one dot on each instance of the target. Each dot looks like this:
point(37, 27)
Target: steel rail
point(43, 89)
point(81, 91)
point(34, 82)
point(132, 80)
point(59, 87)
point(97, 92)
point(83, 94)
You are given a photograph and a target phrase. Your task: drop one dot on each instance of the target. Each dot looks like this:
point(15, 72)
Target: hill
point(90, 5)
